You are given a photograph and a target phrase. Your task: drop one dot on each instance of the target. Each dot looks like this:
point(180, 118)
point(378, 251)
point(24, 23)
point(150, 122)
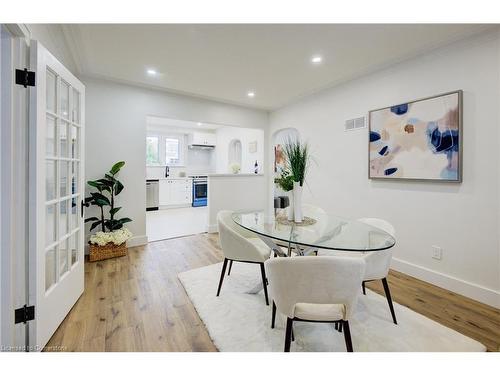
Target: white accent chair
point(312, 211)
point(315, 289)
point(240, 245)
point(378, 262)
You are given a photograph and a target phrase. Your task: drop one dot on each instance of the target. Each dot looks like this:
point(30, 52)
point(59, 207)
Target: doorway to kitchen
point(180, 157)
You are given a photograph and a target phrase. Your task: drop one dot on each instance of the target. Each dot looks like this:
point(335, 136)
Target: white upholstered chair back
point(236, 242)
point(378, 262)
point(312, 211)
point(315, 280)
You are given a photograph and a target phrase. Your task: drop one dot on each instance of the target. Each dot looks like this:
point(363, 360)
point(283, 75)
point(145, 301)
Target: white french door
point(56, 229)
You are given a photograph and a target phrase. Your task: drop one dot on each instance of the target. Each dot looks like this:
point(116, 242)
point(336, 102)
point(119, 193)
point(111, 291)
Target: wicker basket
point(107, 251)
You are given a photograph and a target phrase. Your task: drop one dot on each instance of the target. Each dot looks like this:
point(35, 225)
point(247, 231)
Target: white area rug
point(241, 322)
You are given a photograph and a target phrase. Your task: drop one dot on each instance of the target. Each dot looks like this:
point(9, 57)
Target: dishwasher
point(152, 195)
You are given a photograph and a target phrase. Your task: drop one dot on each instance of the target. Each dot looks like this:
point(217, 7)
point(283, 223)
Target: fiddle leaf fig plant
point(104, 198)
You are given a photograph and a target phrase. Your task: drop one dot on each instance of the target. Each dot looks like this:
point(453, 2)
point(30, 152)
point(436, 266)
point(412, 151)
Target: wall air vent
point(355, 123)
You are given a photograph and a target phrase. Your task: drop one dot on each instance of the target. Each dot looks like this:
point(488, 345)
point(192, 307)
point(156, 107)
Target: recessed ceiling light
point(316, 59)
point(199, 124)
point(250, 94)
point(151, 72)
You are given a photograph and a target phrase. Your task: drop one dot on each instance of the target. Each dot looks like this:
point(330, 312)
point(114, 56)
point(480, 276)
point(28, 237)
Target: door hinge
point(25, 77)
point(24, 314)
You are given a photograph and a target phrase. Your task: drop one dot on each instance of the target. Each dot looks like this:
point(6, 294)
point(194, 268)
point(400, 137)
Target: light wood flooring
point(136, 303)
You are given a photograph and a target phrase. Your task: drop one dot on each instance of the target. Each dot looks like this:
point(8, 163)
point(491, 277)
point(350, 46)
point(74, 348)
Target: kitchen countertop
point(209, 175)
point(235, 175)
point(169, 178)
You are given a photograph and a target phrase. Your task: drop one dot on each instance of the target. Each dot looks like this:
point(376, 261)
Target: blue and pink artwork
point(418, 140)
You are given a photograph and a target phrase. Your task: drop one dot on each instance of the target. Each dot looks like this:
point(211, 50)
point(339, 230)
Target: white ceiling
point(224, 62)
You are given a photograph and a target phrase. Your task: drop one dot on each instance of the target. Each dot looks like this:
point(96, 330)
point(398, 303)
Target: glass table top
point(328, 232)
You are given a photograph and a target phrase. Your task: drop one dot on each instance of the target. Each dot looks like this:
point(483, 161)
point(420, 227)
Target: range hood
point(206, 147)
point(202, 140)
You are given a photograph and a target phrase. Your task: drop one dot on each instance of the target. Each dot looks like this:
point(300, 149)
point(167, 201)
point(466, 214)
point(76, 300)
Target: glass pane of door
point(76, 107)
point(63, 219)
point(64, 95)
point(50, 224)
point(51, 91)
point(50, 268)
point(50, 180)
point(50, 139)
point(63, 139)
point(63, 178)
point(73, 248)
point(74, 142)
point(63, 257)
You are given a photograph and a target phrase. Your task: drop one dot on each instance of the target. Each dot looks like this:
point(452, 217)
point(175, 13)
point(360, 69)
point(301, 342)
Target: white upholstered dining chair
point(378, 262)
point(315, 289)
point(312, 211)
point(240, 245)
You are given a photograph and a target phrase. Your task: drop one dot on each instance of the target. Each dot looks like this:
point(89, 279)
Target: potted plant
point(235, 168)
point(285, 182)
point(111, 240)
point(297, 162)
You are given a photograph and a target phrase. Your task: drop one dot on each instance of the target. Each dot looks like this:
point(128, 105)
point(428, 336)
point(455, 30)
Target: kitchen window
point(172, 151)
point(152, 154)
point(165, 149)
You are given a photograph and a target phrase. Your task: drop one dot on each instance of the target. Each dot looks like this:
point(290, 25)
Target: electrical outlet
point(437, 252)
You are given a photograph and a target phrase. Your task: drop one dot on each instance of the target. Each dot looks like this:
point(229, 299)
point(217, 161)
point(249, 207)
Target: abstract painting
point(279, 159)
point(418, 140)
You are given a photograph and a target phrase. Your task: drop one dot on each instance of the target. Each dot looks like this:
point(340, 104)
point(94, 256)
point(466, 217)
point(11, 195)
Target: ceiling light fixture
point(151, 72)
point(316, 59)
point(199, 124)
point(250, 94)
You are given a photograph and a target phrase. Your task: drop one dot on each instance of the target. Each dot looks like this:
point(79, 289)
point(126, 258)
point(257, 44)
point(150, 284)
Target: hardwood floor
point(471, 318)
point(136, 303)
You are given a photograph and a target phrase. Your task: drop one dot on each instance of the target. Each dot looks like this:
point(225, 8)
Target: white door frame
point(13, 188)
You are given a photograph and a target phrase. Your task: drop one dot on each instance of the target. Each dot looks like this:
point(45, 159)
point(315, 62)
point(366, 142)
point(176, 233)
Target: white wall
point(116, 130)
point(235, 193)
point(461, 218)
point(224, 137)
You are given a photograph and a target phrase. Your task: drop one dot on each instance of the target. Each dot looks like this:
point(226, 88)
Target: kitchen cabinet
point(202, 139)
point(175, 192)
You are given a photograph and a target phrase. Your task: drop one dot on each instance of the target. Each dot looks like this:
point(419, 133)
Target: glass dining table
point(320, 230)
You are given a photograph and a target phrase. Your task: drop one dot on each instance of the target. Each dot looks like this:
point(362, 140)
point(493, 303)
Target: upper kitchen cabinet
point(202, 139)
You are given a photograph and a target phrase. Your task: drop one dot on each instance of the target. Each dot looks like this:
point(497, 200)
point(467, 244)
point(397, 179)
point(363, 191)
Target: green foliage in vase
point(297, 159)
point(284, 181)
point(107, 189)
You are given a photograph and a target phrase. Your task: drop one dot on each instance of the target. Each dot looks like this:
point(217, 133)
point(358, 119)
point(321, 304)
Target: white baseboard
point(212, 228)
point(137, 241)
point(476, 292)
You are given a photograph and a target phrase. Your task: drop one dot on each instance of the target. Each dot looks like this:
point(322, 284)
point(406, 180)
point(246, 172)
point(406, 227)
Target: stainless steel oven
point(200, 191)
